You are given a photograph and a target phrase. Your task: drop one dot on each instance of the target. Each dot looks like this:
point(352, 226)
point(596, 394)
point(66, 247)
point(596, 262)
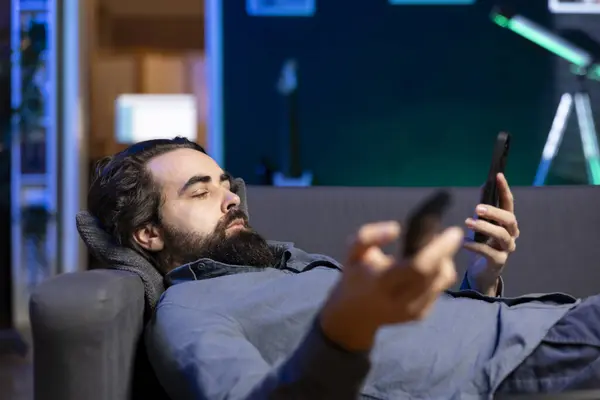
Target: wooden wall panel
point(142, 72)
point(112, 75)
point(154, 33)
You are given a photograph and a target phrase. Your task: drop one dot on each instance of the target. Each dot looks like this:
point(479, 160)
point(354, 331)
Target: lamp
point(584, 64)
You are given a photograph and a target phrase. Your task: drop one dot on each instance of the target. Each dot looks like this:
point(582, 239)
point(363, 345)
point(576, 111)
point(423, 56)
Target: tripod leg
point(589, 139)
point(554, 138)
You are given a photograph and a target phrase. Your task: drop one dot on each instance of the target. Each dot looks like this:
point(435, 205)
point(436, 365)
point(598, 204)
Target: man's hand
point(484, 273)
point(376, 289)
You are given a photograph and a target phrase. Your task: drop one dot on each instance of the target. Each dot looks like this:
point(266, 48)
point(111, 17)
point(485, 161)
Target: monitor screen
point(574, 6)
point(154, 116)
point(432, 2)
point(281, 8)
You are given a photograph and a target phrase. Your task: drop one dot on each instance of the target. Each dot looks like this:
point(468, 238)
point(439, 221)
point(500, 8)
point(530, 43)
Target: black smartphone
point(489, 195)
point(425, 222)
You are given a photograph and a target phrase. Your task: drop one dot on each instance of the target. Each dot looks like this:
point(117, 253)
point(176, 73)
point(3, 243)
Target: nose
point(230, 200)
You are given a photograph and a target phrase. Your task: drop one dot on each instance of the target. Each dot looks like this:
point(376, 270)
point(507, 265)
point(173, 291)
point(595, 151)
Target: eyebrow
point(225, 177)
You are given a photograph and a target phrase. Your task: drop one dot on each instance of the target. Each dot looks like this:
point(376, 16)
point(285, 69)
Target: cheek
point(193, 217)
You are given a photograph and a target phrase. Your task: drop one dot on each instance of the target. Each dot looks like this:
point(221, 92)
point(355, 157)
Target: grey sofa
point(87, 326)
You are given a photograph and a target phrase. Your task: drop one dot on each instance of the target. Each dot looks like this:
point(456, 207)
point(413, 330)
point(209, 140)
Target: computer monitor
point(574, 6)
point(432, 2)
point(154, 116)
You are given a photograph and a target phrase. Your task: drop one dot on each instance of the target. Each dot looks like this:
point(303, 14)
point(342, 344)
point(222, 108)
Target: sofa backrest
point(559, 247)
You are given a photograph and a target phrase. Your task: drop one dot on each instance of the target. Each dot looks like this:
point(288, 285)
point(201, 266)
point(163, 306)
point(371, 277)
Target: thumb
point(443, 246)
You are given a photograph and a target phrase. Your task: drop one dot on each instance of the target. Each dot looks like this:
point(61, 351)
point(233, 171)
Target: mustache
point(231, 216)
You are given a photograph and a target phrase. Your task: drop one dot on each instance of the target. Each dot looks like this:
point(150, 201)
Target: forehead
point(177, 166)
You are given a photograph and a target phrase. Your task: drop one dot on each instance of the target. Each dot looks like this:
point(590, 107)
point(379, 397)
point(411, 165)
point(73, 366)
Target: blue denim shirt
point(237, 332)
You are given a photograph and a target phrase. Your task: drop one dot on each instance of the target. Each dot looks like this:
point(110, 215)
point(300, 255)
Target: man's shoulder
point(197, 292)
point(301, 260)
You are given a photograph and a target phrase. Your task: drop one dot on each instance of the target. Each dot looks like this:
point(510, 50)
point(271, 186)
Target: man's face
point(199, 215)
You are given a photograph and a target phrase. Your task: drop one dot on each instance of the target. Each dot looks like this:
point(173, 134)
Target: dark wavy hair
point(123, 195)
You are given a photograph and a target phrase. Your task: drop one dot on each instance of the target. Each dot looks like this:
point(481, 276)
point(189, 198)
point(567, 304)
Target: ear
point(149, 238)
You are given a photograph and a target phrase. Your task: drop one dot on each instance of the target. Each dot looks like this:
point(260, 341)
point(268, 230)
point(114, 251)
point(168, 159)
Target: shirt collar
point(206, 268)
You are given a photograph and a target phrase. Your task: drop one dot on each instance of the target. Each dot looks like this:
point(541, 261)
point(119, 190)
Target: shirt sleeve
point(465, 285)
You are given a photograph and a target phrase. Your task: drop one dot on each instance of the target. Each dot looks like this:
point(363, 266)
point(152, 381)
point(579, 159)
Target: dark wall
point(389, 95)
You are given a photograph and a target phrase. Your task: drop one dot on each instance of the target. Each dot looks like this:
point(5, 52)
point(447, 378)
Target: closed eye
point(200, 195)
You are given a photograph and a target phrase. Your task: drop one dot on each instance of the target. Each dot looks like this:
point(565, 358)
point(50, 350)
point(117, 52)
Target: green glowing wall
point(389, 95)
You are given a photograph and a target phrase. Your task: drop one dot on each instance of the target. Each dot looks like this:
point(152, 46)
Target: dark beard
point(243, 247)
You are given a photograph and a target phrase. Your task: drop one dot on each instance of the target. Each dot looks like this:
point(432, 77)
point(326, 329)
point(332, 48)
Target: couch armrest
point(86, 327)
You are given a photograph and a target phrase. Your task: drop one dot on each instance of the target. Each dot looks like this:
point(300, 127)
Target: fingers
point(504, 218)
point(372, 235)
point(443, 246)
point(417, 275)
point(376, 260)
point(500, 235)
point(446, 276)
point(497, 257)
point(425, 298)
point(507, 201)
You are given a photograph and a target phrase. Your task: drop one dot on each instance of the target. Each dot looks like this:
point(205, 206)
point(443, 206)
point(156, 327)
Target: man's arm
point(198, 355)
point(203, 353)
